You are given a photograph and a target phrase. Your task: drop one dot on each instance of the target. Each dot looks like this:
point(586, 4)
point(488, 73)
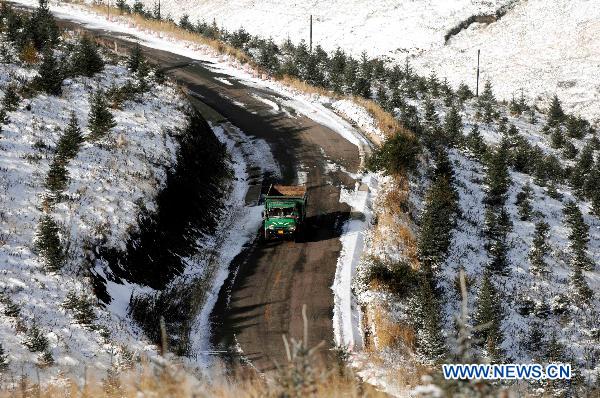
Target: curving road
point(269, 282)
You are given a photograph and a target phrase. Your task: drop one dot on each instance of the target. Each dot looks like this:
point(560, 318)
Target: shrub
point(396, 156)
point(399, 277)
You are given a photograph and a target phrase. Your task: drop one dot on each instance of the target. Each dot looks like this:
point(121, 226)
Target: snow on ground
point(314, 107)
point(539, 46)
point(110, 180)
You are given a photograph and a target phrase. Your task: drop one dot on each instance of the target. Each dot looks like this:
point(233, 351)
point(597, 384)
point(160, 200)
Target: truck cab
point(285, 211)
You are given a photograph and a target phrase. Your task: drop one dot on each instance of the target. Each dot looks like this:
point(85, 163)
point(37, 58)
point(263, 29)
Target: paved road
point(273, 280)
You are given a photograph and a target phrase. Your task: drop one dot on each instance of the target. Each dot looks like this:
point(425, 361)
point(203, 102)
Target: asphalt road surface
point(270, 281)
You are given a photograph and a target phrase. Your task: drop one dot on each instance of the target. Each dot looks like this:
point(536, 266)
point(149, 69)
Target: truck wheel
point(299, 235)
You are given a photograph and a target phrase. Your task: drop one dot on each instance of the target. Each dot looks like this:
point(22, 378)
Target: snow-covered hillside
point(110, 180)
point(543, 47)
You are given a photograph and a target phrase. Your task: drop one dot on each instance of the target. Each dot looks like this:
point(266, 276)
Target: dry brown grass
point(175, 381)
point(386, 122)
point(390, 333)
point(393, 221)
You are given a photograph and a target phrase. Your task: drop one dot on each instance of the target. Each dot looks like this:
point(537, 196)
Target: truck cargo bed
point(287, 190)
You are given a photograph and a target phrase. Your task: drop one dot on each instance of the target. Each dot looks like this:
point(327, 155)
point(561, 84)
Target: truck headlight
point(293, 228)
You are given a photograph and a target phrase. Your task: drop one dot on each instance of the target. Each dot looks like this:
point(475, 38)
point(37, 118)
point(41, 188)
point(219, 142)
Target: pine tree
point(556, 115)
point(337, 66)
point(436, 222)
point(48, 243)
point(497, 177)
point(578, 237)
point(350, 74)
point(100, 118)
point(11, 98)
point(539, 250)
point(268, 58)
point(430, 340)
point(71, 140)
point(138, 8)
point(488, 316)
point(453, 127)
point(3, 118)
point(58, 176)
point(512, 131)
point(431, 124)
point(11, 309)
point(532, 115)
point(535, 340)
point(557, 139)
point(555, 351)
point(382, 97)
point(523, 202)
point(123, 6)
point(36, 341)
point(41, 28)
point(497, 227)
point(569, 150)
point(362, 84)
point(464, 93)
point(3, 359)
point(136, 58)
point(486, 103)
point(50, 75)
point(86, 60)
point(581, 287)
point(433, 85)
point(476, 144)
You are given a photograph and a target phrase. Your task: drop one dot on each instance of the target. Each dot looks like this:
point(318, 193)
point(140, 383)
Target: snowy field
point(540, 46)
point(110, 180)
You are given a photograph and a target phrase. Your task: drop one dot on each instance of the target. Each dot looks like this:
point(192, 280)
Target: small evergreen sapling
point(488, 318)
point(430, 340)
point(464, 93)
point(11, 99)
point(556, 115)
point(48, 243)
point(453, 127)
point(36, 340)
point(86, 59)
point(497, 177)
point(71, 140)
point(3, 359)
point(578, 237)
point(136, 58)
point(523, 202)
point(58, 176)
point(100, 118)
point(50, 74)
point(539, 250)
point(476, 144)
point(583, 291)
point(557, 138)
point(11, 309)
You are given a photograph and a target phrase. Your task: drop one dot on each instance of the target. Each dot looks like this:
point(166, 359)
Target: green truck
point(285, 211)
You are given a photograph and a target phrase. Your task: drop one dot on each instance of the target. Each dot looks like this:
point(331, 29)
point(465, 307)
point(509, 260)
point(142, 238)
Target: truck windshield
point(282, 213)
